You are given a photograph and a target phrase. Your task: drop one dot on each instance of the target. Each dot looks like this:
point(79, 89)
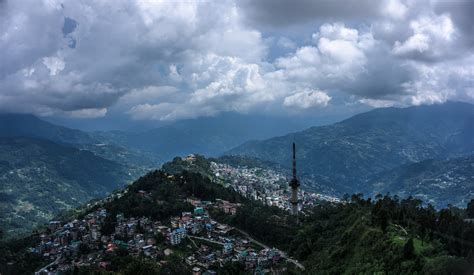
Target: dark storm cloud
point(169, 60)
point(461, 12)
point(286, 12)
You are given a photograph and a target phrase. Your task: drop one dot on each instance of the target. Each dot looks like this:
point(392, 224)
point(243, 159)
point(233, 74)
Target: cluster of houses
point(265, 185)
point(264, 259)
point(83, 242)
point(217, 244)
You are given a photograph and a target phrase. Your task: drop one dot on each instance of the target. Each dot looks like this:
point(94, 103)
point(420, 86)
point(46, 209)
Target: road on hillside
point(283, 254)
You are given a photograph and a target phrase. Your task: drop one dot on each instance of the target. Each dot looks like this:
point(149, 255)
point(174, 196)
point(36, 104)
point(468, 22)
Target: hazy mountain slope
point(208, 136)
point(350, 152)
point(38, 178)
point(434, 181)
point(24, 125)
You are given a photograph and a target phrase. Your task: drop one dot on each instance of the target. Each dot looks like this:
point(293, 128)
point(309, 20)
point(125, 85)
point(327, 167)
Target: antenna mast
point(294, 184)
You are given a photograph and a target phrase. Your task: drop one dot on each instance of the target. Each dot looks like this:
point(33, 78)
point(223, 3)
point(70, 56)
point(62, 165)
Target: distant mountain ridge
point(210, 136)
point(30, 126)
point(26, 125)
point(349, 153)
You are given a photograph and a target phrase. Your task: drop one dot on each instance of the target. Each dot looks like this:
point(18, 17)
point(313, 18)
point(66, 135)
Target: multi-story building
point(176, 236)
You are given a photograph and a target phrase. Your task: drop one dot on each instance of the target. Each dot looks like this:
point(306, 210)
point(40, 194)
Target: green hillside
point(439, 182)
point(39, 178)
point(384, 236)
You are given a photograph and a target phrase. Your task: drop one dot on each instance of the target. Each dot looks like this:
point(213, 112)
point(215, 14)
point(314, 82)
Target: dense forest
point(386, 235)
point(360, 236)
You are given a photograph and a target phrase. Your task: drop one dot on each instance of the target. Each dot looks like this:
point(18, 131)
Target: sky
point(162, 61)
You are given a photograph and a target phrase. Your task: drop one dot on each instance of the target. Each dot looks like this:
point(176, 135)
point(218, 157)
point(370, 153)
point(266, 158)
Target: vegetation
point(388, 235)
point(359, 236)
point(39, 178)
point(443, 181)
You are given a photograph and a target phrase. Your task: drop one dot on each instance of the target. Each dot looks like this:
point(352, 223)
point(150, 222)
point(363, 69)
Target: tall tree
point(409, 249)
point(470, 209)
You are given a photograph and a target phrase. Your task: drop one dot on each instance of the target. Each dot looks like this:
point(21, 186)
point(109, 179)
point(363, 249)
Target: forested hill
point(359, 236)
point(39, 178)
point(348, 154)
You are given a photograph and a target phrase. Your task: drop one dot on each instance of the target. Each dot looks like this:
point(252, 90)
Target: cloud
point(440, 82)
point(175, 60)
point(286, 43)
point(283, 12)
point(307, 99)
point(432, 38)
point(395, 9)
point(88, 113)
point(460, 12)
point(54, 64)
point(337, 59)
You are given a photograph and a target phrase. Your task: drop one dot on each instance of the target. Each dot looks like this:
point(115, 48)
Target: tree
point(346, 197)
point(83, 249)
point(470, 209)
point(109, 224)
point(142, 267)
point(409, 249)
point(140, 228)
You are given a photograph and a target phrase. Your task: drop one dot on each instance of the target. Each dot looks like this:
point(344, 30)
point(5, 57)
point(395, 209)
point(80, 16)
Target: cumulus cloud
point(168, 60)
point(336, 60)
point(307, 99)
point(432, 38)
point(54, 64)
point(395, 9)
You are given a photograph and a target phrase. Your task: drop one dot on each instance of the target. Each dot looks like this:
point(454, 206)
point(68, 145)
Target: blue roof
point(179, 230)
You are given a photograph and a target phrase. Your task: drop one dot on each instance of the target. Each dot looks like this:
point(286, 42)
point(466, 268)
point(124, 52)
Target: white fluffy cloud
point(337, 58)
point(432, 38)
point(307, 99)
point(171, 60)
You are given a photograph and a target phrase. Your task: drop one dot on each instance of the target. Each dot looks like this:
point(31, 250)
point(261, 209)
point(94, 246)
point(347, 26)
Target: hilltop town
point(205, 244)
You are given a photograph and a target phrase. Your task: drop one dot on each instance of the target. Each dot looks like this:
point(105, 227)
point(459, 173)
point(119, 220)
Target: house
point(228, 247)
point(199, 211)
point(176, 236)
point(190, 260)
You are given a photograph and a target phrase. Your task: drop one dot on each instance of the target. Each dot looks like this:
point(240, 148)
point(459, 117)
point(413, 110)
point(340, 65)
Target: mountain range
point(351, 153)
point(425, 151)
point(210, 136)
